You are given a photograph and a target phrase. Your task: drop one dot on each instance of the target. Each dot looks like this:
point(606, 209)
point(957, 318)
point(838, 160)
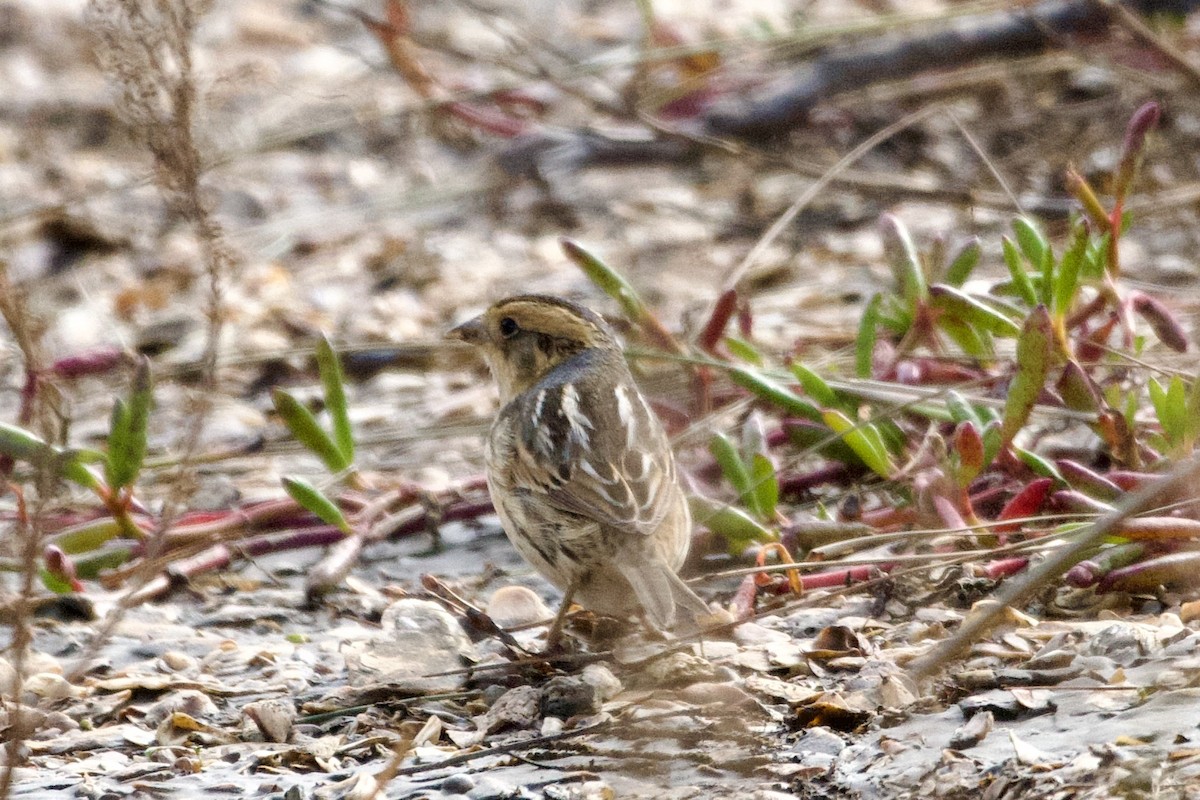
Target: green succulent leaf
point(1077, 389)
point(766, 485)
point(1192, 414)
point(992, 441)
point(21, 445)
point(815, 386)
point(972, 311)
point(1035, 349)
point(111, 555)
point(975, 342)
point(737, 527)
point(304, 426)
point(775, 394)
point(1032, 241)
point(118, 444)
point(818, 437)
point(312, 499)
point(864, 344)
point(87, 536)
point(743, 350)
point(608, 280)
point(334, 382)
point(1036, 249)
point(866, 446)
point(1171, 405)
point(735, 470)
point(1070, 269)
point(1040, 466)
point(127, 430)
point(964, 263)
point(1158, 398)
point(902, 255)
point(1095, 262)
point(894, 316)
point(1016, 269)
point(961, 410)
point(55, 583)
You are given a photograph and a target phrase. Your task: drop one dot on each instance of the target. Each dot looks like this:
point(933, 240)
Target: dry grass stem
point(145, 48)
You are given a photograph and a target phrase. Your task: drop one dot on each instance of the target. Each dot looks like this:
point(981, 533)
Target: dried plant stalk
point(145, 47)
point(25, 540)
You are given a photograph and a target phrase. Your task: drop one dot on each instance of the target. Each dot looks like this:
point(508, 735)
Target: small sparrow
point(579, 468)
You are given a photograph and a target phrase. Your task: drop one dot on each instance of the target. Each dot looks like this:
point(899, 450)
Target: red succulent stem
point(832, 579)
point(97, 361)
point(1131, 481)
point(1003, 568)
point(718, 321)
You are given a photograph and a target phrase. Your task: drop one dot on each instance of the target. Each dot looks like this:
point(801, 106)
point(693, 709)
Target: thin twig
point(987, 161)
point(510, 747)
point(27, 536)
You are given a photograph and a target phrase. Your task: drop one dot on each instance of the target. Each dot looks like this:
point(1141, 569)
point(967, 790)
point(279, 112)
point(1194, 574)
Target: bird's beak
point(471, 331)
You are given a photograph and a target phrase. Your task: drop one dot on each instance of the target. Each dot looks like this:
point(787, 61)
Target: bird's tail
point(661, 593)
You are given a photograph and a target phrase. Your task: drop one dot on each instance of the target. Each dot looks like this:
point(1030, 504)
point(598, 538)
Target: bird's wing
point(601, 454)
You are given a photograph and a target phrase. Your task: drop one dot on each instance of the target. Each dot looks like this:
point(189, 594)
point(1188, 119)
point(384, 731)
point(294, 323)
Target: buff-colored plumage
point(579, 468)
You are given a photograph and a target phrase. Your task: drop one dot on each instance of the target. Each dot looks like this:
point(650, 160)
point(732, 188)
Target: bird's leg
point(560, 618)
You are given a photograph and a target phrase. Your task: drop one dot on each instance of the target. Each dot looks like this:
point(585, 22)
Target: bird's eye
point(508, 327)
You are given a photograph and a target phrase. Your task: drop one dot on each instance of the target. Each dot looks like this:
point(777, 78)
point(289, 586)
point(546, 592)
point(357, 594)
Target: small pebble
point(510, 606)
point(601, 678)
point(973, 731)
point(492, 693)
point(1190, 611)
point(819, 740)
point(567, 696)
point(676, 670)
point(176, 661)
point(458, 784)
